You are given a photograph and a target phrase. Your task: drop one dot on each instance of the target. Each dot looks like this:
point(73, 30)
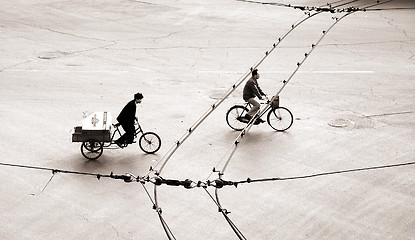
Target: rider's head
point(138, 97)
point(255, 74)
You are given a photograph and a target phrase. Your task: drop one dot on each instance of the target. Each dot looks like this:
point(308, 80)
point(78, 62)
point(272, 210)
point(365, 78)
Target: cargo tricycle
point(98, 132)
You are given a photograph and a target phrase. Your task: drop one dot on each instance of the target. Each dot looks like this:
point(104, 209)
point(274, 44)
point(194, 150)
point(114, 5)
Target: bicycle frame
point(279, 118)
point(249, 106)
point(137, 130)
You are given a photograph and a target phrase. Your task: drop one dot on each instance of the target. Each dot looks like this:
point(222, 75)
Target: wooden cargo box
point(96, 126)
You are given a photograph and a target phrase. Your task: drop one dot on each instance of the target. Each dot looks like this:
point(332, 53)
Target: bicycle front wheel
point(280, 118)
point(232, 116)
point(150, 142)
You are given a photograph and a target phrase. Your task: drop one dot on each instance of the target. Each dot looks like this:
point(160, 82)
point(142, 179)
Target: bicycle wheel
point(149, 142)
point(280, 118)
point(92, 149)
point(232, 117)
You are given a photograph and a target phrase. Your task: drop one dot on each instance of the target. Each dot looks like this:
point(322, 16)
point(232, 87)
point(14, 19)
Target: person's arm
point(260, 90)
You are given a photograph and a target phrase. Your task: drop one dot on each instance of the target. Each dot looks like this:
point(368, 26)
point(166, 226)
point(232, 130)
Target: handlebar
point(264, 101)
point(267, 99)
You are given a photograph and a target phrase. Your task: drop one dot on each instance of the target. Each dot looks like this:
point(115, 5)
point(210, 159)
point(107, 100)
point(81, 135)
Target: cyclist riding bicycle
point(252, 90)
point(126, 120)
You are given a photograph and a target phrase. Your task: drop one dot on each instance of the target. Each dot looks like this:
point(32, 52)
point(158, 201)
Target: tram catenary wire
point(190, 184)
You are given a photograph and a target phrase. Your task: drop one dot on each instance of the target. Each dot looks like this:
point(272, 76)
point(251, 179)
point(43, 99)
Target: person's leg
point(128, 136)
point(254, 109)
point(129, 132)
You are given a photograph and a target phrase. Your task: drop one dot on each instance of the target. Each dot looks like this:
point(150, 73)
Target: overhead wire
point(166, 228)
point(225, 213)
point(387, 9)
point(235, 183)
point(217, 183)
point(53, 170)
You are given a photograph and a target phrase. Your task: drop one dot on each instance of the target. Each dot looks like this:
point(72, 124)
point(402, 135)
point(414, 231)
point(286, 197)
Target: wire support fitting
point(128, 177)
point(220, 183)
point(172, 182)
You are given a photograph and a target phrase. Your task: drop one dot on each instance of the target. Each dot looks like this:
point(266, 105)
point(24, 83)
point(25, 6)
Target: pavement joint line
point(389, 114)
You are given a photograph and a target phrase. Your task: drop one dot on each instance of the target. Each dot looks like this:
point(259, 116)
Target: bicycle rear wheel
point(232, 116)
point(280, 118)
point(149, 142)
point(92, 149)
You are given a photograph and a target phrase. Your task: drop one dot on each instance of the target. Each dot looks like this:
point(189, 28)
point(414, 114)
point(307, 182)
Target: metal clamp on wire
point(128, 177)
point(171, 182)
point(219, 183)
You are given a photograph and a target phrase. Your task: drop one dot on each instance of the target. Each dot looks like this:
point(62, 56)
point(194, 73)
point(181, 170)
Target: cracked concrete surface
point(353, 103)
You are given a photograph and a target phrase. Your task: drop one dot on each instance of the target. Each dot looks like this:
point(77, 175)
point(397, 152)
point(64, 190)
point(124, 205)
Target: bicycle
point(94, 141)
point(279, 118)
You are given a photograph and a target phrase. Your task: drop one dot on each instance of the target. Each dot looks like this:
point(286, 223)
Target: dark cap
point(138, 96)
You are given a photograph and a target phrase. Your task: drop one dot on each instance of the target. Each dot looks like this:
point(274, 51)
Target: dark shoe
point(242, 119)
point(119, 144)
point(258, 121)
point(248, 117)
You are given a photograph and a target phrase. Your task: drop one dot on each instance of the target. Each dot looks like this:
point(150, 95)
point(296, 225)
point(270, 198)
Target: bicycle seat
point(116, 124)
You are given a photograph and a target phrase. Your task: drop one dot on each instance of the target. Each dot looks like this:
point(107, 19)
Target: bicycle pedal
point(258, 121)
point(241, 119)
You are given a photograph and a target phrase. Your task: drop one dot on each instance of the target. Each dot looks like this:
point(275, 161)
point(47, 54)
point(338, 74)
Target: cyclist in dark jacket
point(252, 90)
point(126, 119)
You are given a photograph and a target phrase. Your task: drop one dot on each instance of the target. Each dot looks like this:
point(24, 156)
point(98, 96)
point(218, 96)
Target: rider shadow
point(264, 136)
point(91, 166)
point(120, 162)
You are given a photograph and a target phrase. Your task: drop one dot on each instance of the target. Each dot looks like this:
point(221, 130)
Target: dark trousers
point(128, 136)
